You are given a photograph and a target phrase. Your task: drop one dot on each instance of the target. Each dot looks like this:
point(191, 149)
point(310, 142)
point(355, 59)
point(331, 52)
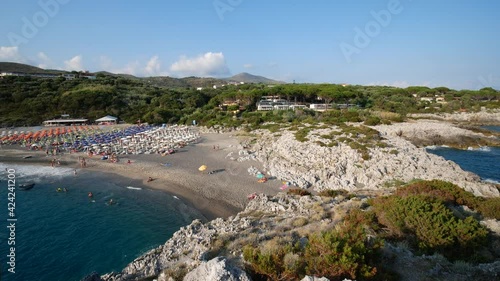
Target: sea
point(67, 235)
point(483, 161)
point(49, 234)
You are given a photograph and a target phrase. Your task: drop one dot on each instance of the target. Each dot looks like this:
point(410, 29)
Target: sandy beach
point(221, 194)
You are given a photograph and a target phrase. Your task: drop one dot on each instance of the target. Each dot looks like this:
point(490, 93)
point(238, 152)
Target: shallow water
point(67, 235)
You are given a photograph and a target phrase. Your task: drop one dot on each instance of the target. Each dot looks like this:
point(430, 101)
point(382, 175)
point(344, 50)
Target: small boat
point(27, 186)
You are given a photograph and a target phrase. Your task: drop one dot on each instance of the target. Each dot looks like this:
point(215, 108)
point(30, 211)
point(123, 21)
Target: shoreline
point(221, 194)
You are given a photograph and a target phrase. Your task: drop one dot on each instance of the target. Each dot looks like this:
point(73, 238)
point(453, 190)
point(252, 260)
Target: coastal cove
point(147, 214)
point(66, 235)
point(69, 230)
point(483, 161)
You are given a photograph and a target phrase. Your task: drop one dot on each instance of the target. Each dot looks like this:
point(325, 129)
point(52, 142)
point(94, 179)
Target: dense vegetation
point(342, 252)
point(427, 216)
point(29, 101)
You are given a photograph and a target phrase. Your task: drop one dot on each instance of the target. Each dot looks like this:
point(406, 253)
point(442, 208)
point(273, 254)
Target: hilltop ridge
point(159, 81)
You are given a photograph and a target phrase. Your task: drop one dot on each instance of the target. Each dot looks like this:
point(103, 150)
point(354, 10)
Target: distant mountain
point(250, 78)
point(24, 68)
point(158, 81)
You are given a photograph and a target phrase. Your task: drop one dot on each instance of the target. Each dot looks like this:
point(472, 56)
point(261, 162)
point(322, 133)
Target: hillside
point(186, 82)
point(157, 81)
point(250, 78)
point(24, 68)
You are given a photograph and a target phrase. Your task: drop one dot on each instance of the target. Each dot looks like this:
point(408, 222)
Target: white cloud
point(248, 66)
point(209, 64)
point(106, 64)
point(44, 61)
point(153, 66)
point(75, 63)
point(10, 54)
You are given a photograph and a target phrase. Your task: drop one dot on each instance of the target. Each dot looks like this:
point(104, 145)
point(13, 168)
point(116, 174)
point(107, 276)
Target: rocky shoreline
point(308, 164)
point(315, 164)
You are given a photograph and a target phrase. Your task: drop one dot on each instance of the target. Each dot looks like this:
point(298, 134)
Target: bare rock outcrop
point(308, 164)
point(217, 269)
point(483, 116)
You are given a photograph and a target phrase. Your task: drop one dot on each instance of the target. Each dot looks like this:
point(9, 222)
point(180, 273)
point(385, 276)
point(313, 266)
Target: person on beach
point(128, 162)
point(150, 179)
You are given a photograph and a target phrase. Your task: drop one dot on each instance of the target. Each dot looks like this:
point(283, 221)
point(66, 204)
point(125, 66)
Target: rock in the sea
point(217, 269)
point(94, 276)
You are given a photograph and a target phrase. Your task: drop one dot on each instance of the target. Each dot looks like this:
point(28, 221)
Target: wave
point(35, 173)
point(134, 188)
point(434, 147)
point(492, 181)
point(482, 148)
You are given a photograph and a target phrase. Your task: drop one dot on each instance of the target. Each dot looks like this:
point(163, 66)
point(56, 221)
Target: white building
point(320, 106)
point(107, 120)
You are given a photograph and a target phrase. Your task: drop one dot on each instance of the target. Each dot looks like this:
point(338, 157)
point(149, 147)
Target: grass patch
point(301, 134)
point(298, 191)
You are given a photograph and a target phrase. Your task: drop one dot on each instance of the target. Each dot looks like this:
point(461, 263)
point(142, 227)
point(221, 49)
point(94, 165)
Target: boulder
point(217, 269)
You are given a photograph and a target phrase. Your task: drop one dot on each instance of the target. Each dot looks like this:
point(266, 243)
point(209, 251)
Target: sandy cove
point(221, 194)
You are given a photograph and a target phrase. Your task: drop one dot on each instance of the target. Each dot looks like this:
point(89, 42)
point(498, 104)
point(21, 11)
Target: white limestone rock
point(217, 269)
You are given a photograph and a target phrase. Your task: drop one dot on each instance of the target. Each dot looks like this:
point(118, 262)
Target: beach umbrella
point(202, 168)
point(260, 175)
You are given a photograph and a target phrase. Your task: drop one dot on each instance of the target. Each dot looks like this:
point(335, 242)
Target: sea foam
point(35, 173)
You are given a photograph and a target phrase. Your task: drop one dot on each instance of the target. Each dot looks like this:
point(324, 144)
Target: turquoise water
point(65, 236)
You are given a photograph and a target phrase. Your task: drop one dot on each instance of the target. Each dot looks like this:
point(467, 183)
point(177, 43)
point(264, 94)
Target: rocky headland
point(365, 161)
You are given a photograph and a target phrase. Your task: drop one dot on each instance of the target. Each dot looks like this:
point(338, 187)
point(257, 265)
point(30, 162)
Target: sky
point(451, 43)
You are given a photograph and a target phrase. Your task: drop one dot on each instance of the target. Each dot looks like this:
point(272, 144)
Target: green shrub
point(301, 135)
point(450, 193)
point(430, 225)
point(298, 191)
point(372, 121)
point(342, 253)
point(490, 208)
point(276, 261)
point(333, 193)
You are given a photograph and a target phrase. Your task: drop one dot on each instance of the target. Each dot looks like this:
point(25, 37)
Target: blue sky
point(453, 43)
